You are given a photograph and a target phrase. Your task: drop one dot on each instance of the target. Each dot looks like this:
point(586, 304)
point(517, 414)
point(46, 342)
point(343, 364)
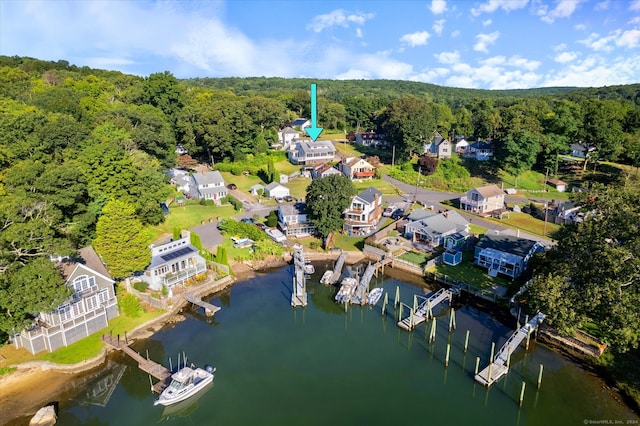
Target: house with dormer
point(483, 200)
point(208, 186)
point(371, 139)
point(361, 217)
point(173, 263)
point(310, 152)
point(439, 147)
point(434, 228)
point(286, 138)
point(505, 254)
point(356, 168)
point(88, 310)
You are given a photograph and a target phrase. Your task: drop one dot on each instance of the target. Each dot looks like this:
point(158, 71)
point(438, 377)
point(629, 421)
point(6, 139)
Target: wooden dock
point(148, 366)
point(299, 292)
point(337, 270)
point(424, 311)
point(209, 309)
point(499, 366)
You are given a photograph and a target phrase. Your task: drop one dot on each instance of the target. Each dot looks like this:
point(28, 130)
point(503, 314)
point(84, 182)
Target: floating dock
point(299, 292)
point(499, 366)
point(148, 366)
point(423, 312)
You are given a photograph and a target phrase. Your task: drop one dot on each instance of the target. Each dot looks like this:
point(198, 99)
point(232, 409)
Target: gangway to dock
point(148, 366)
point(424, 310)
point(499, 366)
point(337, 270)
point(299, 293)
point(209, 309)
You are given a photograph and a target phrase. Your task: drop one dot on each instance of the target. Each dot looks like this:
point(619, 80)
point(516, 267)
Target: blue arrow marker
point(313, 131)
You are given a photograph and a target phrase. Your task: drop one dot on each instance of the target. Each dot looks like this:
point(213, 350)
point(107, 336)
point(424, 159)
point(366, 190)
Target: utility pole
point(415, 195)
point(393, 157)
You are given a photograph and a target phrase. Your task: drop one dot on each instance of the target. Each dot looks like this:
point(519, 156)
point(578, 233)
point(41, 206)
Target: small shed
point(452, 258)
point(559, 185)
point(256, 190)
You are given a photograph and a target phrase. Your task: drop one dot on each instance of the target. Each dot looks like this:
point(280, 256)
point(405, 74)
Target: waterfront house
point(208, 186)
point(286, 138)
point(355, 168)
point(309, 152)
point(323, 170)
point(173, 263)
point(361, 217)
point(88, 310)
point(293, 221)
point(432, 230)
point(483, 200)
point(505, 254)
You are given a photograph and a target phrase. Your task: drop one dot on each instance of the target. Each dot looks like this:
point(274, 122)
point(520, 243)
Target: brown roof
point(556, 182)
point(489, 191)
point(86, 256)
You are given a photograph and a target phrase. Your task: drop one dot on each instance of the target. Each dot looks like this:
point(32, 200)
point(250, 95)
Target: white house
point(256, 189)
point(483, 200)
point(293, 221)
point(372, 139)
point(173, 263)
point(301, 123)
point(505, 254)
point(481, 150)
point(461, 146)
point(365, 211)
point(276, 190)
point(286, 137)
point(309, 152)
point(323, 170)
point(208, 186)
point(180, 178)
point(433, 229)
point(88, 310)
point(355, 168)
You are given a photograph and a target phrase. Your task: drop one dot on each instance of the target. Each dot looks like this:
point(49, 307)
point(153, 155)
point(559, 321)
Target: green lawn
point(348, 243)
point(471, 274)
point(189, 216)
point(244, 183)
point(416, 258)
point(527, 223)
point(298, 187)
point(381, 185)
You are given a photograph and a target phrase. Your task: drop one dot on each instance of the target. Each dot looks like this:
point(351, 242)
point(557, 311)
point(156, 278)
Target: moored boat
point(185, 383)
point(374, 295)
point(326, 277)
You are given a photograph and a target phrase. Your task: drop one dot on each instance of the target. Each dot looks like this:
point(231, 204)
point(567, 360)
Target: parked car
point(389, 210)
point(279, 200)
point(232, 186)
point(261, 226)
point(397, 214)
point(247, 220)
point(288, 198)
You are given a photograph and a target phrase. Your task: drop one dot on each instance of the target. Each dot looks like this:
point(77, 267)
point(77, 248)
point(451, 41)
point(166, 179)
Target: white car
point(389, 210)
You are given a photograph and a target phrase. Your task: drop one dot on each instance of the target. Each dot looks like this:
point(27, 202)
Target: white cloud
point(419, 38)
point(448, 57)
point(359, 32)
point(338, 17)
point(595, 71)
point(487, 22)
point(565, 57)
point(580, 27)
point(617, 38)
point(630, 39)
point(484, 40)
point(563, 9)
point(430, 75)
point(455, 33)
point(635, 20)
point(635, 5)
point(493, 5)
point(604, 5)
point(438, 6)
point(560, 47)
point(438, 26)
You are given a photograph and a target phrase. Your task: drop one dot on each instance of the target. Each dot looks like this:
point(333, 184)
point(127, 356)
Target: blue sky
point(488, 44)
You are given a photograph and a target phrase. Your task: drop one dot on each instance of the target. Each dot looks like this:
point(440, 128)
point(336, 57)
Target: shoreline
point(27, 379)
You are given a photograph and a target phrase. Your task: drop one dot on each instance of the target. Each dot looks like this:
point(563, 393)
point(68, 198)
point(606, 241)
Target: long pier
point(337, 270)
point(299, 293)
point(209, 309)
point(499, 366)
point(424, 310)
point(148, 366)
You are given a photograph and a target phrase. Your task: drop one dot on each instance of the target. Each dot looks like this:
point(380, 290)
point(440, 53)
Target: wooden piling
point(526, 346)
point(397, 299)
point(170, 366)
point(493, 347)
point(475, 373)
point(433, 330)
point(384, 303)
point(540, 376)
point(446, 358)
point(452, 319)
point(150, 382)
point(522, 393)
point(466, 342)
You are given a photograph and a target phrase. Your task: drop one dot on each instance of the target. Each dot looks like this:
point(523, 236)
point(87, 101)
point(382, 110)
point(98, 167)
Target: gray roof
point(289, 130)
point(507, 244)
point(207, 178)
point(441, 223)
point(369, 195)
point(420, 214)
point(309, 146)
point(293, 209)
point(274, 185)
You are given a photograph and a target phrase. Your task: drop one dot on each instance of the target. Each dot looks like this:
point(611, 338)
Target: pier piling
point(466, 342)
point(540, 376)
point(446, 358)
point(522, 394)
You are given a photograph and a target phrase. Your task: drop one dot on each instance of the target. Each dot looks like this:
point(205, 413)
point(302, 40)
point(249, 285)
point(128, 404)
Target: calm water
point(319, 365)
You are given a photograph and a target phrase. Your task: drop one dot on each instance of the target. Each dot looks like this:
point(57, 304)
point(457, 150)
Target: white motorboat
point(326, 277)
point(374, 295)
point(348, 286)
point(309, 269)
point(185, 383)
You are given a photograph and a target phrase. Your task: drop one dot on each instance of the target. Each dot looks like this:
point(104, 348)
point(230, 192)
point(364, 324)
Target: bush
point(130, 306)
point(272, 219)
point(314, 245)
point(141, 286)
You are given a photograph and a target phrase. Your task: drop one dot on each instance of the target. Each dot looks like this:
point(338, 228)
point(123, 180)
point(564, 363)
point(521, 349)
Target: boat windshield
point(177, 385)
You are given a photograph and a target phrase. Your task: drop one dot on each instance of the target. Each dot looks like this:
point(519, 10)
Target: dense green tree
point(601, 129)
point(162, 91)
point(517, 153)
point(326, 199)
point(121, 240)
point(595, 268)
point(408, 123)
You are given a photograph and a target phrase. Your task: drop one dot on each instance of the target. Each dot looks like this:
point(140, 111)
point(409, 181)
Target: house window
point(104, 296)
point(78, 309)
point(83, 283)
point(92, 303)
point(65, 312)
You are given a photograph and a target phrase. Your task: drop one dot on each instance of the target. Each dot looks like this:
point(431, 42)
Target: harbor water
point(323, 365)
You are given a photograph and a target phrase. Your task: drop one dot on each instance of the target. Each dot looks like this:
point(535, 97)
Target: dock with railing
point(299, 292)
